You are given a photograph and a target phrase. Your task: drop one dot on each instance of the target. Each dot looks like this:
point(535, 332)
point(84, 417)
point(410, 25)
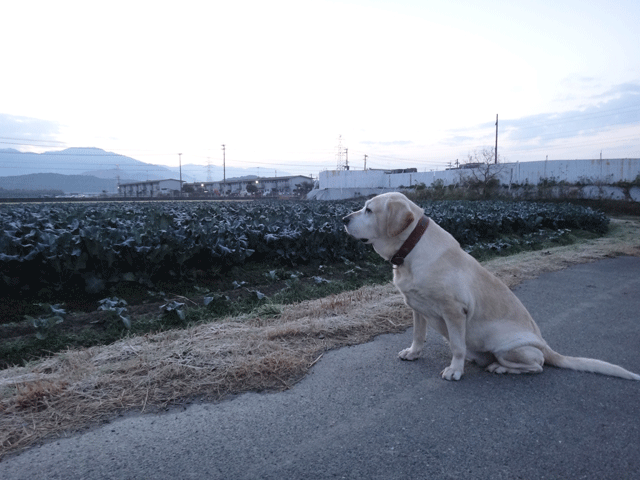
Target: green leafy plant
point(45, 323)
point(119, 307)
point(174, 311)
point(217, 304)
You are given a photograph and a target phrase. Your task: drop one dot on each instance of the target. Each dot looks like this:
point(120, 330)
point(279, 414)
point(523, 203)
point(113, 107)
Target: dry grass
point(79, 388)
point(623, 239)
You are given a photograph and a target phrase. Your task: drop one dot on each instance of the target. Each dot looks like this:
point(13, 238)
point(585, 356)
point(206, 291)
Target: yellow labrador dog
point(480, 317)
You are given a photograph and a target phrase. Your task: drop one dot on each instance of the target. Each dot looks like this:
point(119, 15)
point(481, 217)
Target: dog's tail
point(586, 365)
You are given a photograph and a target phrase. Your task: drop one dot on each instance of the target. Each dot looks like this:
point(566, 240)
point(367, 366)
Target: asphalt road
point(364, 414)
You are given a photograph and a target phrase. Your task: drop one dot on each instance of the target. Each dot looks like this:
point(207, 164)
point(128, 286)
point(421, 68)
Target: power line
point(63, 154)
point(571, 145)
point(584, 141)
point(572, 133)
point(548, 119)
point(32, 140)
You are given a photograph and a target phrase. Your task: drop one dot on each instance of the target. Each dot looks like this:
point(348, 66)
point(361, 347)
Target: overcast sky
point(411, 83)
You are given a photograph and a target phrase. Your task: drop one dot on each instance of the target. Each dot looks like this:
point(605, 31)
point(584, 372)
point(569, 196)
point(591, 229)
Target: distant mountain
point(78, 161)
point(108, 165)
point(69, 184)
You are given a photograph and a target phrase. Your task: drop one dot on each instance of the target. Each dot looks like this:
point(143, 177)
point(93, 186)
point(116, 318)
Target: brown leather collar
point(409, 243)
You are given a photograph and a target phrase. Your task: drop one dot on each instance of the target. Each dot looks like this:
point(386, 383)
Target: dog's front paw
point(409, 354)
point(451, 373)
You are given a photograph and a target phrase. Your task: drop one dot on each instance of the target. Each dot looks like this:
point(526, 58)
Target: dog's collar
point(409, 243)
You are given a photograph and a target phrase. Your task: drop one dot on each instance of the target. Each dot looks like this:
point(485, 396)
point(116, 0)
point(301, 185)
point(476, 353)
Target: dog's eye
point(367, 210)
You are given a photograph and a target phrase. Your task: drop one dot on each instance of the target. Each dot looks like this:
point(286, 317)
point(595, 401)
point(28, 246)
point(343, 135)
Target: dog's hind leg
point(482, 359)
point(526, 359)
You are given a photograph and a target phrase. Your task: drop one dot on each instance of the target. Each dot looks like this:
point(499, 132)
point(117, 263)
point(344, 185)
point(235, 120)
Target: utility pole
point(346, 161)
point(224, 172)
point(180, 160)
point(496, 152)
point(118, 177)
point(365, 161)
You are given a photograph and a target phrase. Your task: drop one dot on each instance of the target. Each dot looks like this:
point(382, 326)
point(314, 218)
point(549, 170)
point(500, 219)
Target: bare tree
point(252, 188)
point(303, 188)
point(480, 173)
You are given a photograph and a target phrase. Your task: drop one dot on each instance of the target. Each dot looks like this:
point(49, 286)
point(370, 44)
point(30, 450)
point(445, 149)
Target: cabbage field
point(81, 274)
point(95, 245)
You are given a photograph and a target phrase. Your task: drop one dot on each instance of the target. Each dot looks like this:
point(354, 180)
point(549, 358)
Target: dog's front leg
point(456, 328)
point(419, 336)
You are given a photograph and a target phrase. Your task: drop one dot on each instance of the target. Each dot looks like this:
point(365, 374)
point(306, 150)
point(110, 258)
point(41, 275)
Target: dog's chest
point(402, 279)
point(417, 295)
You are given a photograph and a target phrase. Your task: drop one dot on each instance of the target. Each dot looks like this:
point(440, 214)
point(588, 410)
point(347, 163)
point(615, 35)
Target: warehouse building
point(151, 188)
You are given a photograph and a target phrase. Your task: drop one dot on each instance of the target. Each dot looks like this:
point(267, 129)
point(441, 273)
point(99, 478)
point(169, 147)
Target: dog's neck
point(411, 241)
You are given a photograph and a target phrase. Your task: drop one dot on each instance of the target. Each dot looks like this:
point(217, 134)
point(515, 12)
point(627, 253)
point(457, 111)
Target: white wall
point(571, 171)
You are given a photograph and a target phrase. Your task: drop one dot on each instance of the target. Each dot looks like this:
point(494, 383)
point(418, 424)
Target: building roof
point(148, 182)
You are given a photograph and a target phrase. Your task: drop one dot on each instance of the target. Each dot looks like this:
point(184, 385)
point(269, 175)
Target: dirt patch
point(80, 388)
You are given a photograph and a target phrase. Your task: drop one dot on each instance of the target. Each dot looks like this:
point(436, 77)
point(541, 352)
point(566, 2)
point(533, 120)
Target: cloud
point(607, 121)
point(616, 107)
point(620, 90)
point(621, 108)
point(28, 132)
point(460, 140)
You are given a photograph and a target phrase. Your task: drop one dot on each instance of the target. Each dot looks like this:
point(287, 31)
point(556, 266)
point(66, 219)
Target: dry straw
point(79, 388)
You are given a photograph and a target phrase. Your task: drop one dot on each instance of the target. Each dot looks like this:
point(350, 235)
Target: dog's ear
point(399, 217)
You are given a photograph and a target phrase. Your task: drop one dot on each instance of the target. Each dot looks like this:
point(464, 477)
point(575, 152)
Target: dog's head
point(383, 222)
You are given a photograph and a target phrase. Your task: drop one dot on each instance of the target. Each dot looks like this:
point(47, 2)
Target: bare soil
point(80, 388)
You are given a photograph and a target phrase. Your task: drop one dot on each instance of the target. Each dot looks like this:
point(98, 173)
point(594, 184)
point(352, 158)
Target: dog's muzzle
point(346, 221)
